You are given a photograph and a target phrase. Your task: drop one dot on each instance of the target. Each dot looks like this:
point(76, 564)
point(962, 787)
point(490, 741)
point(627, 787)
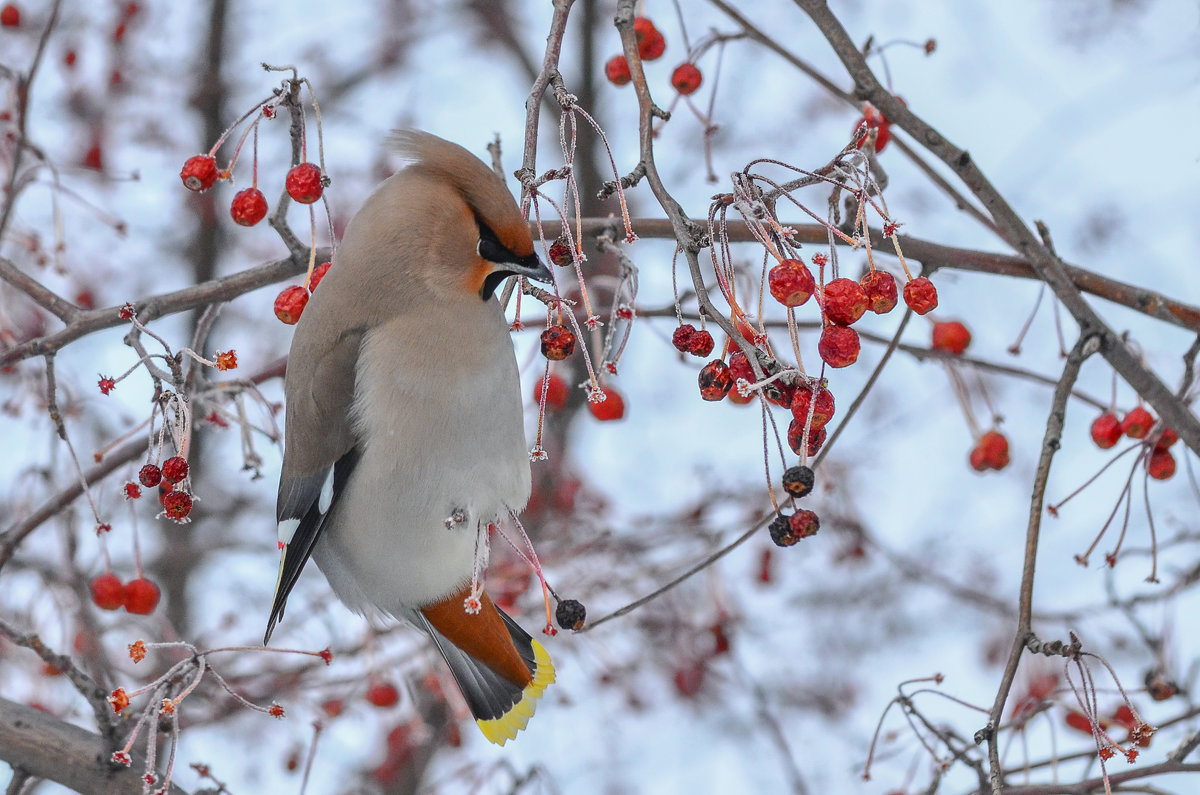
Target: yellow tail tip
point(504, 728)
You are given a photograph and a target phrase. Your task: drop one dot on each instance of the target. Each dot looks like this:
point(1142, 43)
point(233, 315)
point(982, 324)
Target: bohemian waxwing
point(405, 433)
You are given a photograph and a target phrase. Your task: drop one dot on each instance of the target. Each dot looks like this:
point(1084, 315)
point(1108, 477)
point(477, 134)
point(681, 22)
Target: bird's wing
point(320, 452)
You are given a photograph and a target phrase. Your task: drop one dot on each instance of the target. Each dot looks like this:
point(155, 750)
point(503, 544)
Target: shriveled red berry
point(174, 469)
point(739, 368)
point(950, 336)
point(304, 183)
point(556, 392)
point(845, 301)
point(177, 504)
point(611, 408)
point(682, 337)
point(570, 614)
point(317, 275)
point(822, 408)
point(791, 283)
point(141, 596)
point(10, 16)
point(1137, 423)
point(617, 70)
point(149, 475)
point(1106, 430)
point(249, 207)
point(921, 295)
point(686, 79)
point(132, 491)
point(199, 173)
point(795, 438)
point(779, 393)
point(290, 303)
point(107, 592)
point(558, 342)
point(383, 694)
point(701, 344)
point(838, 346)
point(798, 481)
point(560, 253)
point(788, 530)
point(716, 379)
point(880, 288)
point(1161, 464)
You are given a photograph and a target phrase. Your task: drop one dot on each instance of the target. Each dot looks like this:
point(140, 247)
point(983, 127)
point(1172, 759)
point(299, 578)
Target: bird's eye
point(490, 247)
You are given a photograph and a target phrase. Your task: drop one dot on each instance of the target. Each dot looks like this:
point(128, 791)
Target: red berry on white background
point(150, 475)
point(558, 342)
point(177, 504)
point(822, 411)
point(611, 408)
point(141, 596)
point(991, 452)
point(1106, 430)
point(560, 253)
point(1161, 464)
point(107, 592)
point(10, 16)
point(795, 438)
point(681, 337)
point(921, 296)
point(317, 275)
point(1137, 423)
point(174, 469)
point(839, 346)
point(304, 183)
point(715, 380)
point(845, 301)
point(383, 694)
point(132, 491)
point(199, 173)
point(617, 70)
point(290, 303)
point(1167, 438)
point(249, 207)
point(791, 283)
point(686, 79)
point(950, 336)
point(651, 44)
point(556, 392)
point(701, 344)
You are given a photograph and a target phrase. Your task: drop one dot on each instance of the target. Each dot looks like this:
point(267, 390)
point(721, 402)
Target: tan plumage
point(404, 408)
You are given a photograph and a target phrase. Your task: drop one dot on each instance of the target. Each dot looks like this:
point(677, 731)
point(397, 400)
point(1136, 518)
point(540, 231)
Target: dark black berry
point(781, 531)
point(570, 614)
point(798, 481)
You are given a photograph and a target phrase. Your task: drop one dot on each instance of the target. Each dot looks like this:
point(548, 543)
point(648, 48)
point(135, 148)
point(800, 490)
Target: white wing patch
point(326, 498)
point(287, 529)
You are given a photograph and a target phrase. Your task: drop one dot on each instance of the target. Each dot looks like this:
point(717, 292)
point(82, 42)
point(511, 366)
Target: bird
point(404, 434)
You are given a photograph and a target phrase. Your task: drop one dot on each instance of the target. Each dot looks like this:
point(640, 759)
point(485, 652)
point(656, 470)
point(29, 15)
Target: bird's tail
point(499, 668)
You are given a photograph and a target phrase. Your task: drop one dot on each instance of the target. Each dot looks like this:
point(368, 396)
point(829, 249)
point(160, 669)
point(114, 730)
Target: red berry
point(875, 121)
point(383, 694)
point(653, 47)
point(107, 592)
point(791, 283)
point(1167, 438)
point(739, 368)
point(1137, 423)
point(558, 342)
point(249, 207)
point(141, 596)
point(839, 346)
point(612, 408)
point(822, 410)
point(701, 344)
point(10, 16)
point(715, 380)
point(332, 707)
point(560, 253)
point(681, 338)
point(1161, 464)
point(686, 79)
point(556, 392)
point(845, 301)
point(617, 70)
point(643, 29)
point(132, 491)
point(921, 295)
point(304, 183)
point(199, 173)
point(174, 469)
point(991, 452)
point(1106, 430)
point(290, 303)
point(951, 336)
point(178, 504)
point(795, 438)
point(317, 275)
point(150, 475)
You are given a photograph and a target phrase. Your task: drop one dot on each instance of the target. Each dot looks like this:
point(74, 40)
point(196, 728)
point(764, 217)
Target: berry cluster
point(686, 77)
point(139, 596)
point(172, 494)
point(1138, 424)
point(788, 529)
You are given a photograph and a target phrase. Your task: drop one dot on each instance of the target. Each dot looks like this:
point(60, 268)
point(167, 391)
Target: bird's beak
point(530, 267)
